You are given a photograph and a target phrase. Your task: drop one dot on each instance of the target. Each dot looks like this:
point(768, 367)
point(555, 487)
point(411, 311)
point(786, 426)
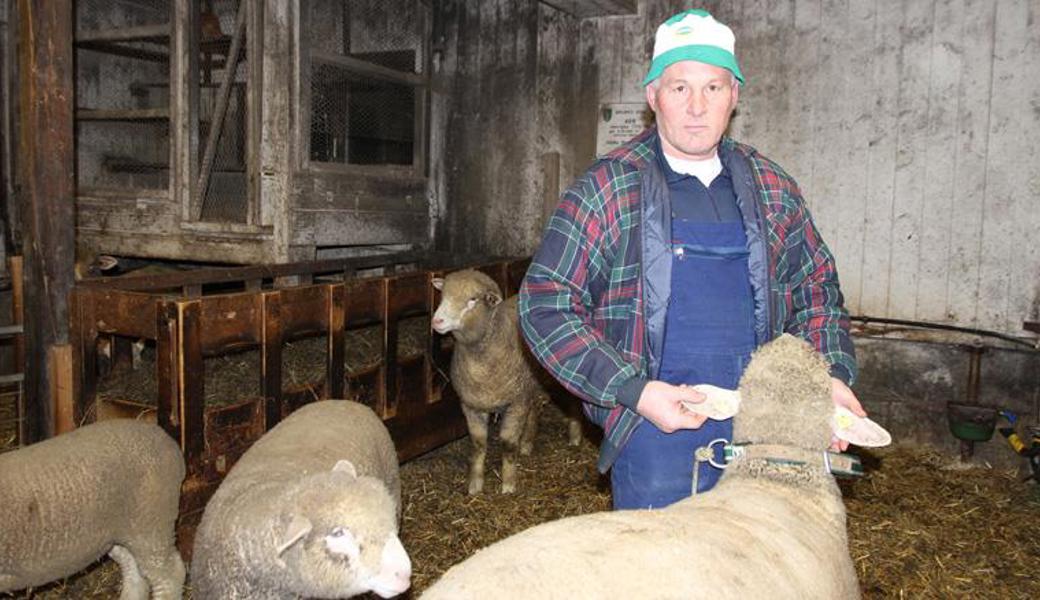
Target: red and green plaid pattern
point(581, 302)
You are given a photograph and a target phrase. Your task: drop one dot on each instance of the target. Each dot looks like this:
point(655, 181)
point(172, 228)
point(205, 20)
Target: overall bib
point(709, 337)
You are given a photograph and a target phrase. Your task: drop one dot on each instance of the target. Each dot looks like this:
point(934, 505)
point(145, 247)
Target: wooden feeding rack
point(322, 300)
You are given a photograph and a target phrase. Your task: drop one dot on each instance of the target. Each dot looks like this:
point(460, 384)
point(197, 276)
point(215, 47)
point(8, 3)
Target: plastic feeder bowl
point(970, 424)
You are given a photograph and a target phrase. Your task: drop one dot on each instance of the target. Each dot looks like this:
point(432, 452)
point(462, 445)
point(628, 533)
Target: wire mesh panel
point(368, 63)
point(223, 184)
point(122, 93)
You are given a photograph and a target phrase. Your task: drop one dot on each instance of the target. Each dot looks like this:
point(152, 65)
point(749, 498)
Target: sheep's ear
point(438, 283)
point(345, 466)
point(106, 262)
point(492, 298)
point(858, 430)
point(298, 528)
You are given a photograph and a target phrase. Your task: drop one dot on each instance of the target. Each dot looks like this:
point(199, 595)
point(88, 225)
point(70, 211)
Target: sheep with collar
point(491, 371)
point(111, 487)
point(774, 526)
point(311, 509)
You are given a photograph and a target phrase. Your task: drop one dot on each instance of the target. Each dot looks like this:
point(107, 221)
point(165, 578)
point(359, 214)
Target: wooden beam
point(594, 8)
point(131, 114)
point(159, 32)
point(45, 172)
point(184, 106)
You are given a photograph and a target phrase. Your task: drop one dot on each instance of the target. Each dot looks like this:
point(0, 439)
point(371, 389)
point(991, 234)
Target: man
point(668, 263)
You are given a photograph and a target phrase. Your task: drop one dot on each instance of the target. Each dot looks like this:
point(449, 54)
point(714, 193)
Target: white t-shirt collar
point(704, 170)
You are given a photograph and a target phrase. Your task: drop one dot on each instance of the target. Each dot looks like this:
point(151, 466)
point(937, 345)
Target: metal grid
point(358, 118)
point(223, 190)
point(122, 93)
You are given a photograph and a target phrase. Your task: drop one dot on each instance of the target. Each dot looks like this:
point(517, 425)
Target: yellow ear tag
point(843, 421)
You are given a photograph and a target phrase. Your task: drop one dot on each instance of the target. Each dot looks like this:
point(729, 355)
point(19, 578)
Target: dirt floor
point(917, 528)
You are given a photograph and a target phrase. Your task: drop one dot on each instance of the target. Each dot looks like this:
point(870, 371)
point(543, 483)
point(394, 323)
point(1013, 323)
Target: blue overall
point(709, 337)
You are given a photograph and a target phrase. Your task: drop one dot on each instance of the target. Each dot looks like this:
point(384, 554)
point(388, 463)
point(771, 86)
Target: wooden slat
point(369, 69)
point(126, 34)
point(129, 114)
point(192, 393)
point(235, 274)
point(60, 365)
point(167, 368)
point(271, 358)
point(594, 8)
point(337, 336)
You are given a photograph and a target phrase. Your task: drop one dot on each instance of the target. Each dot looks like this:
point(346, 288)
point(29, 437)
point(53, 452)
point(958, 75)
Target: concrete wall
point(907, 385)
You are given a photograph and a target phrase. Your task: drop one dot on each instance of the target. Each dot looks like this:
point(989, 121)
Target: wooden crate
point(411, 394)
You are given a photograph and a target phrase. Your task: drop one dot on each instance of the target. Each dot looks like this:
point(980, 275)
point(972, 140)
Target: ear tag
point(858, 430)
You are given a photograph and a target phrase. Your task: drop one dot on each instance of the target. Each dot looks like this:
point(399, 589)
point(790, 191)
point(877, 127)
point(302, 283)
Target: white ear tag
point(720, 403)
point(858, 430)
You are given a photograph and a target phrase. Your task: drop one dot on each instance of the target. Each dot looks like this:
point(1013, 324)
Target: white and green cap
point(693, 35)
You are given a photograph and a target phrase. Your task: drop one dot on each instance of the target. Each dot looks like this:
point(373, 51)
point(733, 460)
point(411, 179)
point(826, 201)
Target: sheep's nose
point(437, 322)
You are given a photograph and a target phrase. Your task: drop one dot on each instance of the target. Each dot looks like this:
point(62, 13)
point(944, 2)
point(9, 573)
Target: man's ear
point(651, 96)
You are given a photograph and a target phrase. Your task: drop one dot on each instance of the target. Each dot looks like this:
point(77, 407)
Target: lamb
point(491, 371)
point(774, 526)
point(110, 487)
point(311, 509)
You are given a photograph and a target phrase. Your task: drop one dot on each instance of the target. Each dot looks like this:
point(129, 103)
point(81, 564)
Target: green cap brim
point(712, 55)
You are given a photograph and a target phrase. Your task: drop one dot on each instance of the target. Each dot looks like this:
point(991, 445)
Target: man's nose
point(697, 104)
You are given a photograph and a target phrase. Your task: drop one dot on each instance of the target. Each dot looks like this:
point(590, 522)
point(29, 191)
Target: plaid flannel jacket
point(583, 306)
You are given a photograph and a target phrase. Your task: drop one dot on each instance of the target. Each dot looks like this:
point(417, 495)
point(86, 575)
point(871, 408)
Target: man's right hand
point(662, 404)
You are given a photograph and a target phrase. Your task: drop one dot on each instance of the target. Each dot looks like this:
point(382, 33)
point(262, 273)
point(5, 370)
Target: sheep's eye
point(338, 532)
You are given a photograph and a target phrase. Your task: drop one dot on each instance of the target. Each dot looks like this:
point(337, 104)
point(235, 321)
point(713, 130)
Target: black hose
point(944, 327)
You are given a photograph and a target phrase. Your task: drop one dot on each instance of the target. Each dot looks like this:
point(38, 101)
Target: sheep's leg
point(477, 422)
point(163, 569)
point(514, 423)
point(531, 426)
point(134, 587)
point(573, 431)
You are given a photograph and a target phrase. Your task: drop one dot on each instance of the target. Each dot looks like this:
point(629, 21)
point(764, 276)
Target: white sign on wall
point(618, 123)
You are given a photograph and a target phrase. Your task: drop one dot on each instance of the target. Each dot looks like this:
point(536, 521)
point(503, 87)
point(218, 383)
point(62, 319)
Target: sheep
point(311, 509)
point(109, 487)
point(491, 371)
point(774, 526)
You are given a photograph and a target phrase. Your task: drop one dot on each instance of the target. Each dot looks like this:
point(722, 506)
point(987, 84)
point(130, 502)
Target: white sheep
point(491, 371)
point(311, 509)
point(110, 487)
point(774, 526)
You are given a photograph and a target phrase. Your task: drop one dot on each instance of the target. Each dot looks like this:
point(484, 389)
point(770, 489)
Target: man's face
point(693, 104)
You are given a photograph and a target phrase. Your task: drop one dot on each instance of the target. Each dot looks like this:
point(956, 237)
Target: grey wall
point(911, 127)
point(908, 123)
point(506, 90)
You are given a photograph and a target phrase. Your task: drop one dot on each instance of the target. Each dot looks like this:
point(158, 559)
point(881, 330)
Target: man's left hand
point(844, 396)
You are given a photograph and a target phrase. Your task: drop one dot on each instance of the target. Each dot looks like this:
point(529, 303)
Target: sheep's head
point(467, 297)
point(785, 397)
point(338, 537)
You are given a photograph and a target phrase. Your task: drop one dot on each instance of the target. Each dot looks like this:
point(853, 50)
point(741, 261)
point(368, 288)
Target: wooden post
point(60, 364)
point(184, 106)
point(45, 174)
